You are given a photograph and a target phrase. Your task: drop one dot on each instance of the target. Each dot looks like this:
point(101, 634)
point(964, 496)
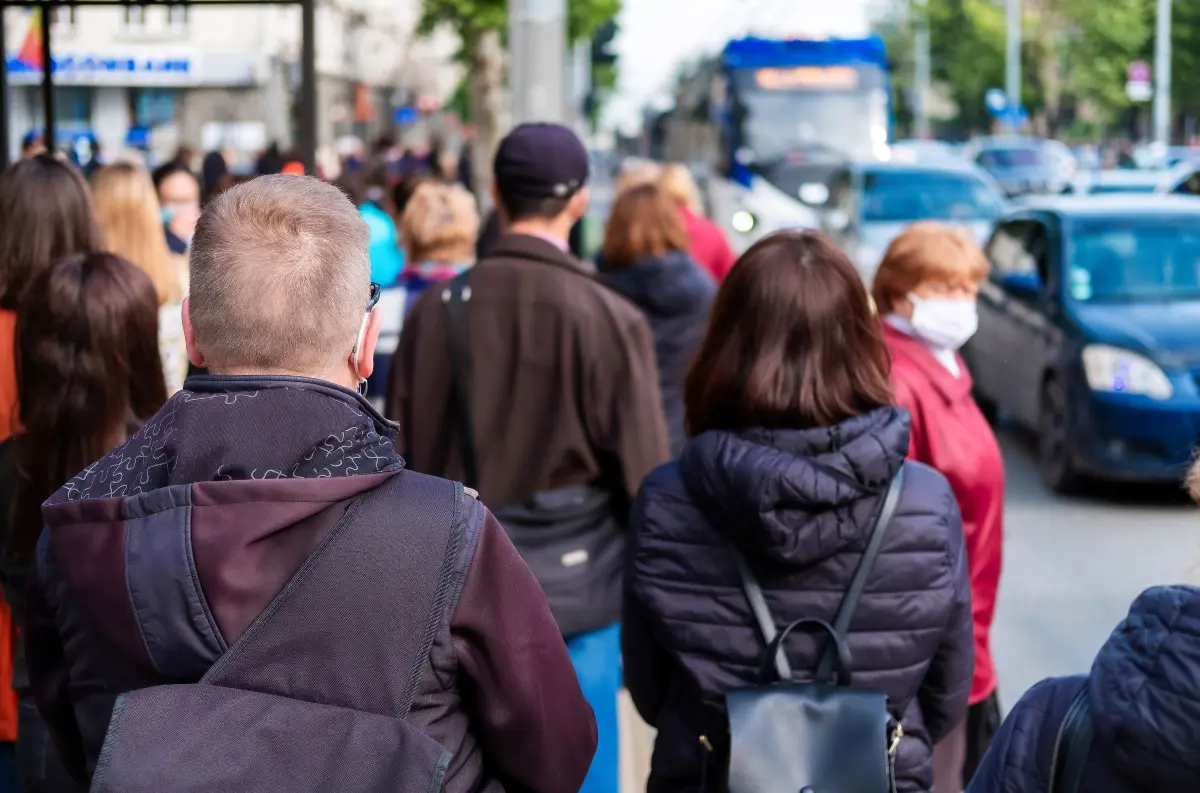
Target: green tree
point(1104, 38)
point(480, 26)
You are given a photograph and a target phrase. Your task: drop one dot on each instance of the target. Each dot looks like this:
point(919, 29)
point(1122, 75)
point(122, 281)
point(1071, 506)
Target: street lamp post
point(537, 51)
point(921, 77)
point(1012, 57)
point(1162, 74)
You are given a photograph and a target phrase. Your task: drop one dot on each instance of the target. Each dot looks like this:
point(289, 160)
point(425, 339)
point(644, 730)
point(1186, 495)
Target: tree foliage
point(1075, 56)
point(470, 18)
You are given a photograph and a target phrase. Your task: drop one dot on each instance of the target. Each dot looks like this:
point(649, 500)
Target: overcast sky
point(658, 35)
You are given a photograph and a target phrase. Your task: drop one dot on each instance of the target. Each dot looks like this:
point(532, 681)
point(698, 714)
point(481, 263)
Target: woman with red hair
point(925, 290)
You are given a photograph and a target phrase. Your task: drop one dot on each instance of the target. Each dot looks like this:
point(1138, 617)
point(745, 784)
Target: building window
point(152, 107)
point(135, 18)
point(73, 106)
point(177, 17)
point(63, 17)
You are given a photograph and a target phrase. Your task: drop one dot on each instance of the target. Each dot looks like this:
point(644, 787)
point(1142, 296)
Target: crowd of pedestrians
point(352, 487)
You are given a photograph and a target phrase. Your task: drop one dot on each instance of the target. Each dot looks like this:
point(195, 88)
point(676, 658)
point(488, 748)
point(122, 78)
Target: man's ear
point(363, 363)
point(578, 205)
point(189, 337)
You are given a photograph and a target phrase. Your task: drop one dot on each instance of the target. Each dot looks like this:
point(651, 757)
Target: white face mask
point(944, 323)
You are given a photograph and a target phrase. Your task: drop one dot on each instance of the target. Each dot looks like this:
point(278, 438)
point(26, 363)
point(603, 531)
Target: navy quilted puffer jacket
point(800, 505)
point(1145, 694)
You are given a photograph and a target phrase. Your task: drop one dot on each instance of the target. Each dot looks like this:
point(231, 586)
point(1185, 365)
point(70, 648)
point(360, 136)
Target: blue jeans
point(597, 660)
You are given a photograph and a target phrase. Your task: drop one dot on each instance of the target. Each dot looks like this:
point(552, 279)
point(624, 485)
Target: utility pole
point(921, 68)
point(1162, 75)
point(1012, 58)
point(537, 65)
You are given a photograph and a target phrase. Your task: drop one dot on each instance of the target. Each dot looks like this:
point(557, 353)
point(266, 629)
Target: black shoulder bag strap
point(1072, 746)
point(455, 296)
point(841, 623)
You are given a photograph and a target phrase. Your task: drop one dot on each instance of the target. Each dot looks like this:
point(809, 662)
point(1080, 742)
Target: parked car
point(924, 152)
point(1023, 165)
point(871, 203)
point(1120, 180)
point(1088, 334)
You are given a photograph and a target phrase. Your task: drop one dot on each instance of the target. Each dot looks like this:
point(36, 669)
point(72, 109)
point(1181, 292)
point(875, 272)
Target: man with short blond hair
point(354, 623)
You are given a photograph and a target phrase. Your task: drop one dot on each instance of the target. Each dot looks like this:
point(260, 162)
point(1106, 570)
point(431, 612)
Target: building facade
point(157, 77)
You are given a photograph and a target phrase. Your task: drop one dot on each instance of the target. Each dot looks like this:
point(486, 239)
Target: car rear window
point(1011, 158)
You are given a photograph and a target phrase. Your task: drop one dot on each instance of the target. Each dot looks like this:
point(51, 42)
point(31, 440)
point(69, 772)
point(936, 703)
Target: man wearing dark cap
point(532, 382)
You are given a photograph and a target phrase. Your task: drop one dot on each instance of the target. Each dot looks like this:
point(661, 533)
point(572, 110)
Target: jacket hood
point(773, 491)
point(1145, 690)
point(171, 541)
point(663, 285)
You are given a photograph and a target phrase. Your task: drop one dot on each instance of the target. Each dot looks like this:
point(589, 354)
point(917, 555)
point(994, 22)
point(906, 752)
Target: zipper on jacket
point(704, 760)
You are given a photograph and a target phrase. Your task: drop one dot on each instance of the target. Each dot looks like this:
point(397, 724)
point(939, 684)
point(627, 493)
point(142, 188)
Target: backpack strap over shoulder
point(366, 606)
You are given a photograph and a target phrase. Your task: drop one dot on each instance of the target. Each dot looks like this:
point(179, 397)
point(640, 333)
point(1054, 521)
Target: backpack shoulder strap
point(1072, 746)
point(845, 612)
point(355, 625)
point(455, 295)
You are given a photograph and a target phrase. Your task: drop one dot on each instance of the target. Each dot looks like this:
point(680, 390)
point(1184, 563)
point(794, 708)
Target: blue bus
point(773, 120)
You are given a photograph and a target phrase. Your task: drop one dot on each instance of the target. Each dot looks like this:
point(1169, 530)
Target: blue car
point(1089, 334)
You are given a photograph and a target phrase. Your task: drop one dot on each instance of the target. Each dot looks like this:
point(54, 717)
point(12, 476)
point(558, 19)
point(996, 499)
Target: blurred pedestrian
point(439, 228)
point(212, 172)
point(179, 195)
point(491, 232)
point(270, 161)
point(646, 259)
point(32, 145)
point(794, 441)
point(387, 257)
point(78, 391)
point(709, 245)
point(45, 216)
point(536, 384)
point(383, 605)
point(131, 220)
point(1138, 702)
point(925, 290)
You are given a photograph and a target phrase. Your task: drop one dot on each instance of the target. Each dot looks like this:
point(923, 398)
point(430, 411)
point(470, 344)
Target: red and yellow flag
point(31, 49)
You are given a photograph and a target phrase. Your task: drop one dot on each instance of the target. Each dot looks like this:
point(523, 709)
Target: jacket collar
point(530, 248)
point(950, 388)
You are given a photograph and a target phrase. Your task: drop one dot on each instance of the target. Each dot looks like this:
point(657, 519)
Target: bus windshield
point(782, 117)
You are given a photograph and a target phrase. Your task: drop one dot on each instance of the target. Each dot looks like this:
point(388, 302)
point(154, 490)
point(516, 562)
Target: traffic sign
point(1139, 86)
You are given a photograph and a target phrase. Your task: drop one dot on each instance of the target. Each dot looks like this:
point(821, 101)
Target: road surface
point(1071, 568)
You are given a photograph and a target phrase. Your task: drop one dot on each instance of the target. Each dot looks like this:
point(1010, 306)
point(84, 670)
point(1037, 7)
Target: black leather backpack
point(818, 736)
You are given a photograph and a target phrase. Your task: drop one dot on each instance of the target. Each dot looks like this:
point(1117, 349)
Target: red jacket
point(709, 246)
point(950, 434)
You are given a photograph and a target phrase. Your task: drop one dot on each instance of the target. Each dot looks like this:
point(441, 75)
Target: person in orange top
point(45, 216)
point(925, 291)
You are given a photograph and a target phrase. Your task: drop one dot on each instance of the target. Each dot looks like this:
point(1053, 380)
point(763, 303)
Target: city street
point(1071, 568)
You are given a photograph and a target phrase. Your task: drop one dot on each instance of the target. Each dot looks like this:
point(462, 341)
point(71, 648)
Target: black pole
point(5, 135)
point(307, 134)
point(47, 83)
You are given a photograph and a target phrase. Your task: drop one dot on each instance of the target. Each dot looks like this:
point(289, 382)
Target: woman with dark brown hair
point(87, 368)
point(794, 442)
point(45, 215)
point(646, 259)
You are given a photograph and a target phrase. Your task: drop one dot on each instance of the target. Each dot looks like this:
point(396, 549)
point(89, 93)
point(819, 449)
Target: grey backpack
point(299, 703)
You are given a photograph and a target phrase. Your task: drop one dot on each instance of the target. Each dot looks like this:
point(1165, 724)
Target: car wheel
point(1054, 441)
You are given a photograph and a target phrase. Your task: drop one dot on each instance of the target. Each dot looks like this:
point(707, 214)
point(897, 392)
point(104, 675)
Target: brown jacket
point(564, 381)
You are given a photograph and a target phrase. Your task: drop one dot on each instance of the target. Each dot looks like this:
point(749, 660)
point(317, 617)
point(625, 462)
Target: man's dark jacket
point(676, 297)
point(1144, 690)
point(140, 583)
point(564, 388)
point(800, 505)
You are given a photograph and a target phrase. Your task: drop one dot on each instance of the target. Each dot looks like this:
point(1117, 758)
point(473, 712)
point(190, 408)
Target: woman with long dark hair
point(87, 368)
point(45, 215)
point(794, 443)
